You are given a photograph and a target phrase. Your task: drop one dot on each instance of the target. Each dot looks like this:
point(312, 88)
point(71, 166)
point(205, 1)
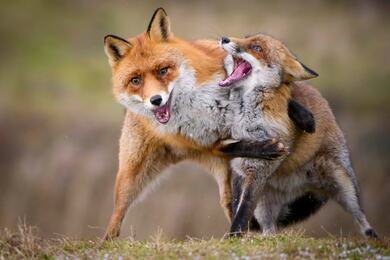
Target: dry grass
point(25, 243)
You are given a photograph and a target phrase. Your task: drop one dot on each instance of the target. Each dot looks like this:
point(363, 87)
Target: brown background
point(59, 123)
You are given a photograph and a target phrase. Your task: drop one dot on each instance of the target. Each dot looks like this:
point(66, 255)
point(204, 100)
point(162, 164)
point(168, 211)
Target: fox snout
point(161, 106)
point(156, 100)
point(225, 40)
point(229, 46)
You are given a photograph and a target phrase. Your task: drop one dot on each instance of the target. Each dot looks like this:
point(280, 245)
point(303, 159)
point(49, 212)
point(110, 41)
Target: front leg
point(140, 161)
point(127, 188)
point(269, 149)
point(254, 174)
point(134, 174)
point(220, 169)
point(237, 184)
point(245, 205)
point(301, 116)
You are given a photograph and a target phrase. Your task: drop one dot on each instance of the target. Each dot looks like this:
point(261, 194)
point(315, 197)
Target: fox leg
point(245, 207)
point(136, 170)
point(221, 171)
point(269, 149)
point(301, 116)
point(225, 192)
point(126, 190)
point(347, 195)
point(256, 173)
point(237, 182)
point(266, 213)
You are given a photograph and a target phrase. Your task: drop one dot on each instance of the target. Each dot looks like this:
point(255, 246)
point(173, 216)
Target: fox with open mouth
point(175, 111)
point(262, 71)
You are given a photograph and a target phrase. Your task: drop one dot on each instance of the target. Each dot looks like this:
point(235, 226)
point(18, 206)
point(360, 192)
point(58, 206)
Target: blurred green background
point(59, 123)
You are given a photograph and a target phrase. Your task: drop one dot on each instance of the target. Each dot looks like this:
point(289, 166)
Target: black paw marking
point(370, 233)
point(267, 150)
point(301, 116)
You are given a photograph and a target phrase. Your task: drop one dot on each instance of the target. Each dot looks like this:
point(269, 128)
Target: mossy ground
point(286, 245)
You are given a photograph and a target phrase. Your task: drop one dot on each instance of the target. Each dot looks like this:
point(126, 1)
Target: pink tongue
point(162, 114)
point(238, 73)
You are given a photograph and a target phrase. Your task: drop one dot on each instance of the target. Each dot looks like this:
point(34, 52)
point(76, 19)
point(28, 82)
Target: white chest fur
point(201, 113)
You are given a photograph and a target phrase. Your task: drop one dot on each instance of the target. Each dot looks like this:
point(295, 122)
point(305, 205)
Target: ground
point(290, 244)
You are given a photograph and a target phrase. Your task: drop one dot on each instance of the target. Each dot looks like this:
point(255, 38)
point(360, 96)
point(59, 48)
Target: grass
point(59, 123)
point(290, 244)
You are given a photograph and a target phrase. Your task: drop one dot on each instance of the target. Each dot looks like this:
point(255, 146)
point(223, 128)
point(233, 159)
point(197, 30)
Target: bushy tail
point(293, 212)
point(296, 211)
point(301, 208)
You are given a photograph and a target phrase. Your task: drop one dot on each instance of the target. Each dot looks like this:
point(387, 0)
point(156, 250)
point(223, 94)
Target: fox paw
point(237, 234)
point(269, 149)
point(273, 149)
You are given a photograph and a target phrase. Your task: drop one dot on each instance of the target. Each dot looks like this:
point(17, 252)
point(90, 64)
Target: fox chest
point(254, 126)
point(202, 115)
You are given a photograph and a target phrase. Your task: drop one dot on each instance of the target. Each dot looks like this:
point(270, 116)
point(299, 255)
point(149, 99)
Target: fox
point(176, 111)
point(265, 74)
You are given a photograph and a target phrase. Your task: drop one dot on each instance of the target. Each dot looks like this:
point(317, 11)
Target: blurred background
point(59, 123)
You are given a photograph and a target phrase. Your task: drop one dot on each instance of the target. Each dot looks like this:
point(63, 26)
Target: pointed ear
point(295, 70)
point(115, 48)
point(159, 28)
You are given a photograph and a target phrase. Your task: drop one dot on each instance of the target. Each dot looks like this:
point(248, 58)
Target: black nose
point(225, 40)
point(156, 100)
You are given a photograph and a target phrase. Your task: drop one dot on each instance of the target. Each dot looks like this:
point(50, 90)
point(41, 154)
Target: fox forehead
point(259, 39)
point(146, 55)
point(273, 50)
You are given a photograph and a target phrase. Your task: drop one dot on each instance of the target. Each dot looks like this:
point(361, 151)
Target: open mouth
point(163, 113)
point(241, 69)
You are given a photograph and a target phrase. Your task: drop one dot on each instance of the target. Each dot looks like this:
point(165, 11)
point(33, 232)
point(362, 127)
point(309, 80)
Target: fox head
point(261, 61)
point(146, 68)
point(143, 66)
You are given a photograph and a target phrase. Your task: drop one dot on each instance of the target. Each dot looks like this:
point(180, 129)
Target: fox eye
point(256, 48)
point(135, 81)
point(162, 72)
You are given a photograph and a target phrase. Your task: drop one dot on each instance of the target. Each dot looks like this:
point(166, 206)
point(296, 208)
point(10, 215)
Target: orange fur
point(144, 57)
point(274, 102)
point(318, 162)
point(144, 153)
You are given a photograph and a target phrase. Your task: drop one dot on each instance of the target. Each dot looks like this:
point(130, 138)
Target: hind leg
point(267, 212)
point(346, 193)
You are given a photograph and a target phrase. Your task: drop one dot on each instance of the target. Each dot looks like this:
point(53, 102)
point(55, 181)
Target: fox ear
point(115, 47)
point(159, 28)
point(295, 70)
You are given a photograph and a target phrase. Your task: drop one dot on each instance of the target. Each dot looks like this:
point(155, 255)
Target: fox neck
point(204, 57)
point(274, 102)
